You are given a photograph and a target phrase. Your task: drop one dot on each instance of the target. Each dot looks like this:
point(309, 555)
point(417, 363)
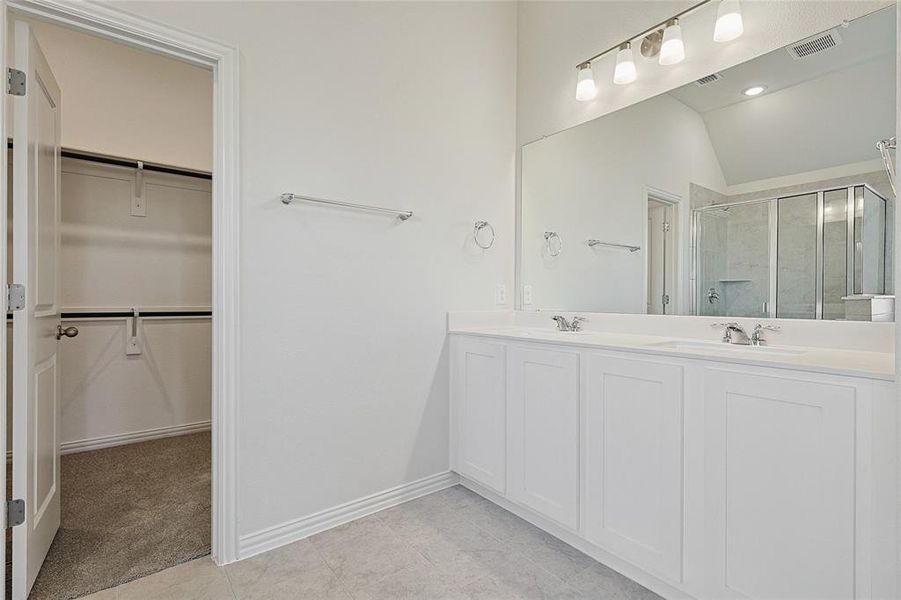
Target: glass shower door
point(796, 257)
point(733, 260)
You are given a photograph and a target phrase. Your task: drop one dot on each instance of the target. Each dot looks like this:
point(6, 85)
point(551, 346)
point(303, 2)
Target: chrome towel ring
point(483, 233)
point(553, 242)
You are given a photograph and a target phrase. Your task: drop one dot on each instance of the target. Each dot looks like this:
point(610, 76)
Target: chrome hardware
point(757, 334)
point(730, 329)
point(69, 332)
point(562, 323)
point(712, 295)
point(288, 198)
point(15, 82)
point(15, 513)
point(593, 243)
point(477, 229)
point(15, 297)
point(548, 237)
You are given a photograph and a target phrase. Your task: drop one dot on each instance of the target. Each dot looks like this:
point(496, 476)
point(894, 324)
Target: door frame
point(125, 28)
point(675, 203)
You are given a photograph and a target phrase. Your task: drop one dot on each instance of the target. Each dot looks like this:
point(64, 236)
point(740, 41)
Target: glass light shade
point(586, 89)
point(728, 22)
point(673, 50)
point(625, 71)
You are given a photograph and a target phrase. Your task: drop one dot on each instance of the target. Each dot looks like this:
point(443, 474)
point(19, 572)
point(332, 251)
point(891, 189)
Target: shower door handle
point(69, 332)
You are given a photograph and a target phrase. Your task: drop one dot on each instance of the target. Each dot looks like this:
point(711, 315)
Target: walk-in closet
point(121, 414)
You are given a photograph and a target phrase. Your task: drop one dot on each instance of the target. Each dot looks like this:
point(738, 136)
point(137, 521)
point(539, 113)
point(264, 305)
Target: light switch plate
point(500, 294)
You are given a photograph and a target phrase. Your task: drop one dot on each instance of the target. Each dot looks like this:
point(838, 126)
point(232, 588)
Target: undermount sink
point(721, 348)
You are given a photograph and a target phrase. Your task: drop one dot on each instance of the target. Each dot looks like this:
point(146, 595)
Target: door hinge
point(665, 298)
point(15, 513)
point(666, 226)
point(15, 297)
point(15, 82)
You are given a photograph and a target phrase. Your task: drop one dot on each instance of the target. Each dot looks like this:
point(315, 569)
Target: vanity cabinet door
point(479, 411)
point(780, 486)
point(543, 387)
point(633, 451)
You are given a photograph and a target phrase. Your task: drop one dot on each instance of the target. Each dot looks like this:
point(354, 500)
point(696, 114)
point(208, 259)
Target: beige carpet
point(128, 512)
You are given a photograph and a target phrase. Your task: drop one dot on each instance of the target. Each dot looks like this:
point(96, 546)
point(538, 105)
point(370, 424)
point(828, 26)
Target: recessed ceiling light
point(754, 90)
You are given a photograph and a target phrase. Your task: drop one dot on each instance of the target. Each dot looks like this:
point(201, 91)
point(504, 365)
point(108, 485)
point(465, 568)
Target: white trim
point(133, 437)
point(656, 585)
point(123, 27)
point(675, 202)
point(298, 529)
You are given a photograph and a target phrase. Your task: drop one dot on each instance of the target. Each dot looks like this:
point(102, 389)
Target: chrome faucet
point(757, 334)
point(731, 330)
point(564, 325)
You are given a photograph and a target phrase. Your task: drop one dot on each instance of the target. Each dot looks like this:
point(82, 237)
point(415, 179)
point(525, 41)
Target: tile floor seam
point(228, 578)
point(338, 578)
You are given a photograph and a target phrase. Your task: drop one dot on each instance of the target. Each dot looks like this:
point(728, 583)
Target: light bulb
point(624, 72)
point(754, 90)
point(586, 89)
point(673, 50)
point(728, 22)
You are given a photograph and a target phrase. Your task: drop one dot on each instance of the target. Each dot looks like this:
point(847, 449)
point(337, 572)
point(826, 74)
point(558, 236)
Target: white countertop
point(855, 363)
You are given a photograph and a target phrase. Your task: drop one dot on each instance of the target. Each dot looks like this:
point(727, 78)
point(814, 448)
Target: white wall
point(590, 182)
point(124, 102)
point(344, 367)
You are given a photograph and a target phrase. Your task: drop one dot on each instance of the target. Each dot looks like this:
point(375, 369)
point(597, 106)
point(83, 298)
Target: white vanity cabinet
point(780, 487)
point(543, 404)
point(479, 411)
point(697, 478)
point(633, 459)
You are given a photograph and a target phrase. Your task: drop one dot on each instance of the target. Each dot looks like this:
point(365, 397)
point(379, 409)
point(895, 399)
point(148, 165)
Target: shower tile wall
point(796, 257)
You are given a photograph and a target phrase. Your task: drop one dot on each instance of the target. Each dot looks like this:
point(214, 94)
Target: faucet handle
point(576, 323)
point(760, 327)
point(731, 324)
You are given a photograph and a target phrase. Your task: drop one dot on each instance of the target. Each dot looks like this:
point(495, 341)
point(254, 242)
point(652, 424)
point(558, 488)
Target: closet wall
point(144, 107)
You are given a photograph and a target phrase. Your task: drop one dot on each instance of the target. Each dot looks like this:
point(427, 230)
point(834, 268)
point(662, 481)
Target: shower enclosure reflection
point(823, 254)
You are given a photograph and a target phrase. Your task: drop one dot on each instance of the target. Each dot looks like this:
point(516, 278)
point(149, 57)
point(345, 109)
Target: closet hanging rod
point(593, 243)
point(127, 162)
point(288, 198)
point(120, 314)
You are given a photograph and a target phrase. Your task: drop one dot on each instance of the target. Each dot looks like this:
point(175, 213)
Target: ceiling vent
point(708, 79)
point(816, 44)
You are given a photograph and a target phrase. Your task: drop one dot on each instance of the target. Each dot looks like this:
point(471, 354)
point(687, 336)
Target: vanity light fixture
point(625, 71)
point(664, 41)
point(672, 51)
point(728, 21)
point(586, 88)
point(754, 90)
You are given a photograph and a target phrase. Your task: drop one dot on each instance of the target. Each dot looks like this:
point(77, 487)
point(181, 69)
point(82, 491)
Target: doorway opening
point(661, 255)
point(110, 356)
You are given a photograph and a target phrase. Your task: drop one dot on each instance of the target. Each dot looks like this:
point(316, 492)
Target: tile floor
point(449, 545)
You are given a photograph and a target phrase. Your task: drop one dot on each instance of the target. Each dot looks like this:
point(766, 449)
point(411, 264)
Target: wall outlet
point(500, 294)
point(527, 294)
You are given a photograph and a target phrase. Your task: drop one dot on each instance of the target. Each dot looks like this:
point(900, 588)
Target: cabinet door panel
point(544, 432)
point(780, 487)
point(634, 461)
point(480, 379)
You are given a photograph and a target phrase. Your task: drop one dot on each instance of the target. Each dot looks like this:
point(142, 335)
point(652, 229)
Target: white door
point(479, 397)
point(660, 257)
point(544, 432)
point(633, 452)
point(36, 213)
point(780, 502)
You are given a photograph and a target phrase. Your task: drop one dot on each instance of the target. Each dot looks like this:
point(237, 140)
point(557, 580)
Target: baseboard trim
point(298, 529)
point(623, 567)
point(120, 439)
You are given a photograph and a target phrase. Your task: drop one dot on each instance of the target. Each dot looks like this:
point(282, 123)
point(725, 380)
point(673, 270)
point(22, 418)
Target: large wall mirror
point(758, 191)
